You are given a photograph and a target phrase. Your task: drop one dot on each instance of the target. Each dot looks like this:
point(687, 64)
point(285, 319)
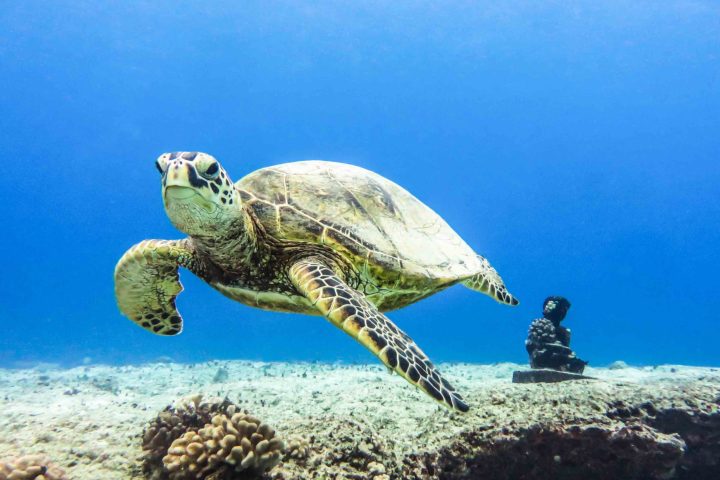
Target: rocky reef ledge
point(359, 422)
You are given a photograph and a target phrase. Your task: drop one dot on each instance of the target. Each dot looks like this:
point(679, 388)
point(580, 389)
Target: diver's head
point(198, 195)
point(555, 308)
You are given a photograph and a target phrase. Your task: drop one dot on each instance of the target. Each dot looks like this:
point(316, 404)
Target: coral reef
point(347, 422)
point(196, 439)
point(540, 452)
point(338, 449)
point(187, 414)
point(30, 467)
point(297, 448)
point(642, 441)
point(223, 447)
point(697, 424)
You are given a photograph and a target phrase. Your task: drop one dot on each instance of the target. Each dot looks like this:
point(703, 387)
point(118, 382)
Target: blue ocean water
point(577, 146)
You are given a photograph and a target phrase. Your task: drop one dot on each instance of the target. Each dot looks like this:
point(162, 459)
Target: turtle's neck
point(234, 247)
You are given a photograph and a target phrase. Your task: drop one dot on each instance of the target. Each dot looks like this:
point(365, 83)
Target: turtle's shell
point(382, 229)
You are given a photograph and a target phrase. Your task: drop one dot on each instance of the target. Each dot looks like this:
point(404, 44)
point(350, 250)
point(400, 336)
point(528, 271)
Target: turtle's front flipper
point(146, 284)
point(488, 281)
point(349, 310)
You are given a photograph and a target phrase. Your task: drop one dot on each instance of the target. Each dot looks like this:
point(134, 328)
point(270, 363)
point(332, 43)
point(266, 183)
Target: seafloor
point(359, 422)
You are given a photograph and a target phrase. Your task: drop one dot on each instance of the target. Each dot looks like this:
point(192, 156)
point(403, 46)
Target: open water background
point(576, 145)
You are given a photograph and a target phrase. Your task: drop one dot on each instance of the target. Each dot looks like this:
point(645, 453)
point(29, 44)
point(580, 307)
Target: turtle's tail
point(489, 282)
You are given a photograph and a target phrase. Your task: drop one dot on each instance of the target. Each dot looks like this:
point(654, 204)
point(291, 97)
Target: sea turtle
point(314, 237)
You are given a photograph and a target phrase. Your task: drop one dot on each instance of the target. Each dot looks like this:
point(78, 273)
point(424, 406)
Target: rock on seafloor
point(358, 422)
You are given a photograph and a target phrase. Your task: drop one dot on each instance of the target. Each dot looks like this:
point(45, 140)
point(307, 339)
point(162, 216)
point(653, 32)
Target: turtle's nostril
point(189, 155)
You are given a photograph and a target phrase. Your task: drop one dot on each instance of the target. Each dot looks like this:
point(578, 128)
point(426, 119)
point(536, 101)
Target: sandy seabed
point(362, 422)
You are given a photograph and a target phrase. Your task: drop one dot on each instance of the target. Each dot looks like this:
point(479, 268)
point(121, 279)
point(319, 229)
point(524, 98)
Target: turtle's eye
point(211, 172)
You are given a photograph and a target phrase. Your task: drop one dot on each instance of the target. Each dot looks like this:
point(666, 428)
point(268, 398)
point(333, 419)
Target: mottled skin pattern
point(311, 237)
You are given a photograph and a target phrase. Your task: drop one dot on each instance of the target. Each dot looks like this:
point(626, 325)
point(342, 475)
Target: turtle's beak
point(178, 175)
point(179, 188)
point(178, 196)
point(176, 192)
point(176, 183)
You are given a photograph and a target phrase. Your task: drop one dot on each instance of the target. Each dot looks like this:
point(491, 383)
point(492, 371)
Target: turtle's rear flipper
point(488, 281)
point(349, 310)
point(146, 284)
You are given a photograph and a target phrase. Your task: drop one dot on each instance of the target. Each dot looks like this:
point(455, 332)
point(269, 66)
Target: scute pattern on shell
point(378, 224)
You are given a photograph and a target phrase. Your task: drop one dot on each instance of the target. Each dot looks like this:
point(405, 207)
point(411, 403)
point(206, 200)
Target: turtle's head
point(199, 196)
